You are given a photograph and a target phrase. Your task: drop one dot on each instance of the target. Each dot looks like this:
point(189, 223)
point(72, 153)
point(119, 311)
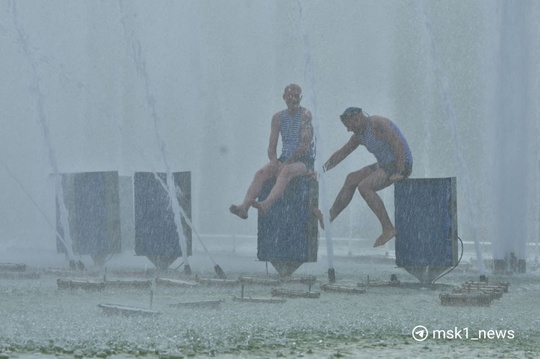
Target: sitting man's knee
point(286, 171)
point(265, 172)
point(363, 188)
point(293, 170)
point(260, 172)
point(350, 180)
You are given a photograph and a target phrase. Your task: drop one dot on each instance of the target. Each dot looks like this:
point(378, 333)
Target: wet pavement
point(41, 320)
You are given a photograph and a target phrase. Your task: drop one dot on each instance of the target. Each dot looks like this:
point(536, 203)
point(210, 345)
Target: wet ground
point(39, 320)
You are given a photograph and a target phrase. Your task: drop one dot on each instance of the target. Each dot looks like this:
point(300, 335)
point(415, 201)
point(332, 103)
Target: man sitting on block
point(297, 153)
point(385, 141)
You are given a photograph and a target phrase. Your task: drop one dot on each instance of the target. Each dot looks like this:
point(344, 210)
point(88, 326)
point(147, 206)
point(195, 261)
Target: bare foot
point(260, 207)
point(239, 211)
point(385, 237)
point(318, 214)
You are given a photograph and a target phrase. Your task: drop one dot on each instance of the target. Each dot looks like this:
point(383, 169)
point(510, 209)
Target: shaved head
point(293, 88)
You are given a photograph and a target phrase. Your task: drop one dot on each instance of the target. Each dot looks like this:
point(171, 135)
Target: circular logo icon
point(419, 333)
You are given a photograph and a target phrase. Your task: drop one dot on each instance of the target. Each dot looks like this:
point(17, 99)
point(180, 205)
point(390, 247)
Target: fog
point(192, 85)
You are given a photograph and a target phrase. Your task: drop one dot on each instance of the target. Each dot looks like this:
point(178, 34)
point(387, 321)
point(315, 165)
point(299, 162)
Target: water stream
point(311, 90)
point(65, 236)
point(172, 86)
point(452, 118)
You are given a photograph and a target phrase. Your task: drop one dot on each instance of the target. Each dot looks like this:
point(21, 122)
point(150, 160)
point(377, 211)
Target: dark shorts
point(391, 168)
point(308, 161)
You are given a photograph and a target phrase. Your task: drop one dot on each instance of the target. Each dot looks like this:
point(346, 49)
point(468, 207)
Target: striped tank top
point(381, 149)
point(290, 128)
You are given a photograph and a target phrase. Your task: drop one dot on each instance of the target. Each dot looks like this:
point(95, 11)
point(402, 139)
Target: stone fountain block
point(333, 288)
point(12, 267)
point(293, 293)
point(127, 211)
point(117, 309)
point(74, 284)
point(509, 265)
point(288, 233)
point(465, 299)
point(92, 203)
point(426, 223)
point(156, 236)
point(198, 304)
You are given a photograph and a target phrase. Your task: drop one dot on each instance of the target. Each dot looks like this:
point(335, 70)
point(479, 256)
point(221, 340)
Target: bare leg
point(368, 189)
point(286, 174)
point(318, 214)
point(261, 176)
point(239, 210)
point(346, 193)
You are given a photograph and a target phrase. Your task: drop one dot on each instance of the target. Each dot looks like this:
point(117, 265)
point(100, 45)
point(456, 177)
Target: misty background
point(103, 85)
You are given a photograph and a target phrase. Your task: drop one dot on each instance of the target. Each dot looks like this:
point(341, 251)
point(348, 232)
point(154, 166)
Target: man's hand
point(395, 177)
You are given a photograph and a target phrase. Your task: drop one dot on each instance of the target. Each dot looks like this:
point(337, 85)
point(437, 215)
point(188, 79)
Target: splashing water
point(451, 117)
point(309, 78)
point(512, 114)
point(169, 186)
point(64, 215)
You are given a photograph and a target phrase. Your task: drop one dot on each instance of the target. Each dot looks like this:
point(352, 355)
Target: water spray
point(40, 210)
point(452, 118)
point(219, 272)
point(66, 238)
point(309, 78)
point(140, 66)
point(169, 187)
point(81, 86)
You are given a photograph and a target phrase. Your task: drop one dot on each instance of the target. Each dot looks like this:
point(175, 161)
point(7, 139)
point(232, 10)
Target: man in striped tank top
point(297, 153)
point(385, 141)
